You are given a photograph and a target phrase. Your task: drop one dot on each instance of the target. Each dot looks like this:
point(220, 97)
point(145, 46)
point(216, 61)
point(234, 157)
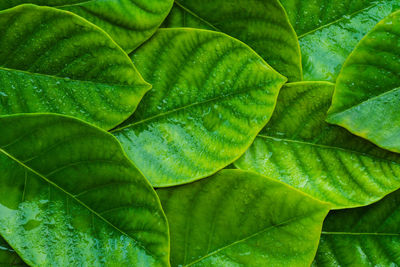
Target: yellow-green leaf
point(128, 22)
point(239, 218)
point(263, 25)
point(367, 93)
point(54, 61)
point(211, 95)
point(329, 30)
point(69, 197)
point(325, 161)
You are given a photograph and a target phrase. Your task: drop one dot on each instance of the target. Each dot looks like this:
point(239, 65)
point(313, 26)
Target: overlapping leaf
point(129, 22)
point(368, 236)
point(263, 25)
point(329, 30)
point(203, 111)
point(238, 218)
point(299, 148)
point(60, 63)
point(367, 94)
point(8, 257)
point(69, 196)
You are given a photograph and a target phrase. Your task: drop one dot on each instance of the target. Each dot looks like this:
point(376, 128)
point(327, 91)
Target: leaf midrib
point(76, 199)
point(360, 233)
point(75, 4)
point(331, 116)
point(249, 237)
point(196, 16)
point(71, 80)
point(326, 147)
point(210, 100)
point(336, 21)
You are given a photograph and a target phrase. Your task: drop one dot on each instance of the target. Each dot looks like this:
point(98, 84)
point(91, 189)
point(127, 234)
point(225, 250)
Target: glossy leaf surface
point(299, 148)
point(329, 30)
point(60, 63)
point(203, 111)
point(238, 218)
point(367, 94)
point(69, 195)
point(128, 22)
point(368, 236)
point(263, 25)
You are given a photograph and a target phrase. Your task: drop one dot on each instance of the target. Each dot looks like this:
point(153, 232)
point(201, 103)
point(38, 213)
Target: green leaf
point(180, 16)
point(69, 195)
point(60, 63)
point(238, 218)
point(129, 22)
point(8, 257)
point(368, 236)
point(367, 94)
point(299, 148)
point(203, 111)
point(329, 30)
point(263, 25)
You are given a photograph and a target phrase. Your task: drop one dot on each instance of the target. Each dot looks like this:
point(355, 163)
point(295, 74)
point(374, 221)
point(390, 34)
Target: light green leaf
point(69, 195)
point(367, 94)
point(128, 22)
point(60, 63)
point(299, 148)
point(263, 25)
point(238, 218)
point(368, 236)
point(329, 30)
point(203, 111)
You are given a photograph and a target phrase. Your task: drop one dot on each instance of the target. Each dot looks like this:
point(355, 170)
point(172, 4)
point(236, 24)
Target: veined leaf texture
point(60, 63)
point(240, 133)
point(202, 112)
point(74, 197)
point(128, 22)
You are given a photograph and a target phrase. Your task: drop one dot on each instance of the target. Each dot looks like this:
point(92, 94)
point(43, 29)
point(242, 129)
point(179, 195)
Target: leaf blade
point(250, 235)
point(368, 89)
point(79, 209)
point(362, 236)
point(329, 30)
point(129, 22)
point(61, 63)
point(243, 20)
point(197, 112)
point(299, 148)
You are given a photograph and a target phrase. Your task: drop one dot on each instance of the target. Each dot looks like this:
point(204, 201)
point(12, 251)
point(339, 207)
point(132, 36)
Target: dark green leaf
point(129, 22)
point(60, 63)
point(69, 195)
point(263, 25)
point(299, 148)
point(368, 236)
point(203, 111)
point(367, 94)
point(329, 30)
point(8, 257)
point(238, 218)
